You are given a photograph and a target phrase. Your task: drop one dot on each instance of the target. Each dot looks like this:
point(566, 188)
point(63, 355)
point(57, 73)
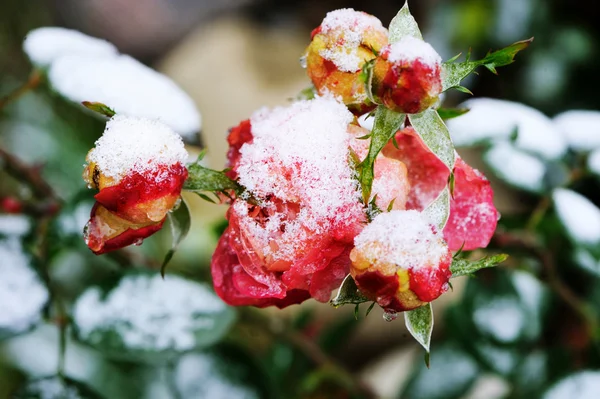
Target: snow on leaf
point(579, 216)
point(581, 129)
point(434, 133)
point(419, 323)
point(202, 179)
point(144, 317)
point(464, 267)
point(348, 293)
point(55, 387)
point(438, 211)
point(593, 162)
point(580, 385)
point(404, 24)
point(180, 221)
point(516, 167)
point(386, 124)
point(454, 72)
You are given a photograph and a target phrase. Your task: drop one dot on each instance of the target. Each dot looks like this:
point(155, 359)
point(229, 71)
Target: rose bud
point(401, 261)
point(340, 47)
point(406, 76)
point(138, 166)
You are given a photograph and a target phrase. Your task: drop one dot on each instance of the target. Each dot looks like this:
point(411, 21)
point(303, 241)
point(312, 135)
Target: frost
point(45, 45)
point(580, 128)
point(516, 167)
point(148, 313)
point(14, 225)
point(580, 217)
point(350, 26)
point(403, 238)
point(367, 121)
point(131, 143)
point(409, 49)
point(50, 388)
point(582, 385)
point(593, 162)
point(501, 318)
point(22, 294)
point(127, 86)
point(497, 120)
point(199, 376)
point(299, 154)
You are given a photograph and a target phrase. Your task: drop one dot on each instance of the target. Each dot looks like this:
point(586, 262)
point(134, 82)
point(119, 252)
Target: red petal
point(428, 283)
point(473, 216)
point(238, 136)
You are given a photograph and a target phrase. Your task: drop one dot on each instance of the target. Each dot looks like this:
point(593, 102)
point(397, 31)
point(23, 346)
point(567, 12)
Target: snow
point(367, 121)
point(52, 388)
point(14, 225)
point(587, 261)
point(593, 162)
point(496, 120)
point(580, 217)
point(347, 28)
point(403, 238)
point(128, 87)
point(501, 318)
point(299, 154)
point(131, 143)
point(409, 49)
point(581, 385)
point(580, 128)
point(45, 45)
point(198, 376)
point(22, 294)
point(148, 313)
point(516, 167)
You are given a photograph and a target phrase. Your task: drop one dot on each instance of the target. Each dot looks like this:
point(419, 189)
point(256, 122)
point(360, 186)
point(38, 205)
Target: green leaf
point(307, 94)
point(54, 388)
point(385, 126)
point(403, 24)
point(201, 179)
point(367, 76)
point(419, 323)
point(438, 211)
point(100, 108)
point(434, 133)
point(348, 293)
point(144, 318)
point(464, 267)
point(449, 113)
point(454, 72)
point(180, 222)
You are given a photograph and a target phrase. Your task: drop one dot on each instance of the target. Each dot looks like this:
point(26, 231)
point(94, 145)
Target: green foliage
point(99, 108)
point(55, 387)
point(348, 293)
point(434, 133)
point(419, 323)
point(202, 179)
point(180, 221)
point(464, 267)
point(403, 24)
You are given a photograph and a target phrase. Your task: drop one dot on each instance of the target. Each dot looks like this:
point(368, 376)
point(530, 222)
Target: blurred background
point(509, 333)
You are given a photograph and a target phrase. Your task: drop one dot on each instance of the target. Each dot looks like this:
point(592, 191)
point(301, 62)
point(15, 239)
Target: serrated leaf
point(348, 293)
point(180, 221)
point(464, 267)
point(449, 113)
point(438, 211)
point(145, 318)
point(100, 108)
point(201, 179)
point(55, 387)
point(419, 323)
point(403, 24)
point(454, 72)
point(434, 133)
point(385, 126)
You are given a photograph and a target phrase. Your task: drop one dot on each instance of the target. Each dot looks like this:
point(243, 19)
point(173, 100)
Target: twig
point(34, 80)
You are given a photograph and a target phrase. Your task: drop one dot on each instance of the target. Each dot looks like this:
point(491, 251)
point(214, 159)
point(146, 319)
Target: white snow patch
point(593, 162)
point(299, 155)
point(582, 385)
point(580, 217)
point(496, 120)
point(501, 318)
point(14, 225)
point(130, 143)
point(367, 121)
point(22, 294)
point(348, 27)
point(198, 376)
point(516, 167)
point(580, 128)
point(410, 48)
point(127, 86)
point(52, 388)
point(45, 45)
point(147, 312)
point(587, 261)
point(402, 238)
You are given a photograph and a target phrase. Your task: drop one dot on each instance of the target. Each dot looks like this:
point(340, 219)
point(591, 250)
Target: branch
point(34, 80)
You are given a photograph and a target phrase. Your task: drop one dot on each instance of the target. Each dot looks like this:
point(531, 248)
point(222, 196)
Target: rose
point(138, 166)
